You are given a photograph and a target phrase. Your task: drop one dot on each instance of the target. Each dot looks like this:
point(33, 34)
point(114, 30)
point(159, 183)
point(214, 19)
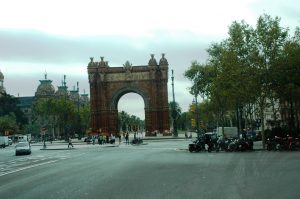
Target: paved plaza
point(159, 168)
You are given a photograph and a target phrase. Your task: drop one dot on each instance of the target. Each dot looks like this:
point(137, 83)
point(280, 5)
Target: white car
point(23, 148)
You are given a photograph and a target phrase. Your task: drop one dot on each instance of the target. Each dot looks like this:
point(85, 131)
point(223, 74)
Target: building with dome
point(46, 90)
point(2, 89)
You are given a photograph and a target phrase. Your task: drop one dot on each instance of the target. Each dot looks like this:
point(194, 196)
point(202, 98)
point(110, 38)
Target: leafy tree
point(269, 39)
point(286, 82)
point(129, 122)
point(8, 123)
point(8, 106)
point(202, 77)
point(184, 121)
point(49, 112)
point(174, 114)
point(123, 119)
point(85, 117)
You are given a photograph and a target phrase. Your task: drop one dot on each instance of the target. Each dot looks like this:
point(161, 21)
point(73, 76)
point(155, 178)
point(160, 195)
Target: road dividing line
point(28, 167)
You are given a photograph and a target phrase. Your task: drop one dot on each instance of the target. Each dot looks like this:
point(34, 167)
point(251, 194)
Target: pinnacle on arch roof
point(163, 60)
point(152, 61)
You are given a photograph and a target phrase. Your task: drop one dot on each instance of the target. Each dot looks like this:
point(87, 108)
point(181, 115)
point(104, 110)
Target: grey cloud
point(40, 48)
point(35, 47)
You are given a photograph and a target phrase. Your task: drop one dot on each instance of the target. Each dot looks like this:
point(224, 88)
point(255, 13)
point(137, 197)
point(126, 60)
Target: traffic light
point(202, 124)
point(193, 108)
point(193, 122)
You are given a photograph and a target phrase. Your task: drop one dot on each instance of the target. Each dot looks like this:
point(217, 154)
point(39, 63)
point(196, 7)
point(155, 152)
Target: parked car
point(88, 140)
point(10, 141)
point(23, 148)
point(3, 141)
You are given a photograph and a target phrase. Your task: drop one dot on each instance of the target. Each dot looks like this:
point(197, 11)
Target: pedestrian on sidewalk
point(93, 139)
point(99, 140)
point(127, 138)
point(107, 139)
point(120, 137)
point(186, 135)
point(70, 143)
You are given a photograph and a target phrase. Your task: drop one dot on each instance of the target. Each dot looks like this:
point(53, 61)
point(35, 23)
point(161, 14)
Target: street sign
point(43, 131)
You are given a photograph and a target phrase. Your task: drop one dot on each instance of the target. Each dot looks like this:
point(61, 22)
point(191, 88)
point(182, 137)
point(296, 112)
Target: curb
point(58, 149)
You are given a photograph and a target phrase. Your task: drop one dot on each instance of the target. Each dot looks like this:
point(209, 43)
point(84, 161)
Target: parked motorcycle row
point(282, 143)
point(207, 143)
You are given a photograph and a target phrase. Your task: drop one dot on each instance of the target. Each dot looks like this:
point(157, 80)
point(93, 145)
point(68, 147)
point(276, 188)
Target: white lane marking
point(28, 167)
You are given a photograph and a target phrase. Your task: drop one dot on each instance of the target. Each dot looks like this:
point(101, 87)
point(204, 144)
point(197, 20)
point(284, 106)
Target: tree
point(8, 123)
point(8, 107)
point(269, 41)
point(241, 69)
point(183, 121)
point(129, 122)
point(123, 119)
point(202, 76)
point(174, 114)
point(51, 112)
point(85, 118)
point(286, 81)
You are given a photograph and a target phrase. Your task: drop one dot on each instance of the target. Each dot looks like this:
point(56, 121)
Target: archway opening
point(131, 114)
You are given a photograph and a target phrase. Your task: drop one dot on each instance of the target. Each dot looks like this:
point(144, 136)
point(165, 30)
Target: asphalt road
point(163, 169)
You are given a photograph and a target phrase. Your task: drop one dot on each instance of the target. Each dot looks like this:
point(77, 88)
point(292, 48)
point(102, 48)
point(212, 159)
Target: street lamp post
point(78, 115)
point(65, 104)
point(174, 112)
point(197, 116)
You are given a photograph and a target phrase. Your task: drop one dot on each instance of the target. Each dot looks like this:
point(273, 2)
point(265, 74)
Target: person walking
point(93, 139)
point(127, 138)
point(99, 140)
point(70, 143)
point(120, 137)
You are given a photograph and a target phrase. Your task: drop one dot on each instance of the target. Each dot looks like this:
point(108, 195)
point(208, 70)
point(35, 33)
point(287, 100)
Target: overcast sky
point(59, 36)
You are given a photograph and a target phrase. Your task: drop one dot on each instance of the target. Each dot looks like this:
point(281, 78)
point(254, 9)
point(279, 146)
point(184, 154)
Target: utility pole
point(197, 117)
point(174, 112)
point(65, 104)
point(78, 115)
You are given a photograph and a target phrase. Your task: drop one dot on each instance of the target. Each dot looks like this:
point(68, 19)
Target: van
point(3, 141)
point(229, 132)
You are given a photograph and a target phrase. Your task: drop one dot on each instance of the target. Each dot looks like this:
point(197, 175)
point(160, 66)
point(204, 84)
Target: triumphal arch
point(109, 84)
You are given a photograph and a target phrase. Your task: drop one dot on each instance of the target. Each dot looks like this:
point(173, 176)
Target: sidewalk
point(62, 145)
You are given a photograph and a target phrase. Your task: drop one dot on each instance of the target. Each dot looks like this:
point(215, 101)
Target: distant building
point(25, 104)
point(46, 90)
point(290, 113)
point(2, 89)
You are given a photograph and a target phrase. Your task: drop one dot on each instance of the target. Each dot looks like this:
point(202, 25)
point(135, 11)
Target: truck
point(229, 132)
point(3, 141)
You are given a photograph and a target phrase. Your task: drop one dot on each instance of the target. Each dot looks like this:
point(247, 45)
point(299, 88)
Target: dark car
point(23, 148)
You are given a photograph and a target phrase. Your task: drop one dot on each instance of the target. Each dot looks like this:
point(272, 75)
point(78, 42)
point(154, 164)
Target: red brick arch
point(109, 84)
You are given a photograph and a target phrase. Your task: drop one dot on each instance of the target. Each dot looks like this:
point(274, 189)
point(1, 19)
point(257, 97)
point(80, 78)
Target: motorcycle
point(232, 145)
point(137, 141)
point(270, 143)
point(197, 145)
point(224, 144)
point(277, 144)
point(244, 144)
point(290, 143)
